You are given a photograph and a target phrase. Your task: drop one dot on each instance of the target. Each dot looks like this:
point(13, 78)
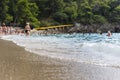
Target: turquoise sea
point(92, 48)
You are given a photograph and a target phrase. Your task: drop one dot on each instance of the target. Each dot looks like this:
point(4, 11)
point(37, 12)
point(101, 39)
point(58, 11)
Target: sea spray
point(89, 49)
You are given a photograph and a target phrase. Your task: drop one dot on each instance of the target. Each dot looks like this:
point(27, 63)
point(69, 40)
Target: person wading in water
point(109, 33)
point(27, 29)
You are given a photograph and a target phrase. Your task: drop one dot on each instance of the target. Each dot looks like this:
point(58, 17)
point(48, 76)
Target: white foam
point(89, 49)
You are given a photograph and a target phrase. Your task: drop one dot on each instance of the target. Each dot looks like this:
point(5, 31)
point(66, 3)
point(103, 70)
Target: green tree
point(47, 8)
point(4, 10)
point(26, 12)
point(52, 12)
point(43, 8)
point(12, 10)
point(85, 13)
point(61, 17)
point(98, 19)
point(71, 10)
point(114, 13)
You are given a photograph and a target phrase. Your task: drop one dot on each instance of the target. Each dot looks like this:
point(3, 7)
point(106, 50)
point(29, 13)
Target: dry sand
point(18, 64)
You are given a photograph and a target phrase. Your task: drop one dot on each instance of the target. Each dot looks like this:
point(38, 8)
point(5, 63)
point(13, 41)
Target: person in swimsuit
point(4, 29)
point(109, 33)
point(27, 29)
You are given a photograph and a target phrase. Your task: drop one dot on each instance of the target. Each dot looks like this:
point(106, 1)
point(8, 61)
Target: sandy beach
point(18, 64)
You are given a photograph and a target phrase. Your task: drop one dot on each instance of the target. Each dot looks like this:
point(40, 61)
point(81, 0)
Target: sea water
point(93, 49)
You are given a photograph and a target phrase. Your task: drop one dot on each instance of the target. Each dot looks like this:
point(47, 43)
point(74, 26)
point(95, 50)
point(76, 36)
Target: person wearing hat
point(27, 29)
point(4, 28)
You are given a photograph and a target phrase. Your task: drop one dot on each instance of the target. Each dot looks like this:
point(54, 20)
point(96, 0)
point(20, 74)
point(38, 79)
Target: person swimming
point(109, 33)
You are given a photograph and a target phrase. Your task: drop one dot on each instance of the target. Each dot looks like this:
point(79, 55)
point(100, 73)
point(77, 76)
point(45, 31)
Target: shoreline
point(18, 64)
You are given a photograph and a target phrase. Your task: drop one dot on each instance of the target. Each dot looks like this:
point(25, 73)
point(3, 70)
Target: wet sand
point(18, 64)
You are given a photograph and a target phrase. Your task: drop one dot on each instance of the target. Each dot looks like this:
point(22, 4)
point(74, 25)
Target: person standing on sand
point(4, 28)
point(27, 29)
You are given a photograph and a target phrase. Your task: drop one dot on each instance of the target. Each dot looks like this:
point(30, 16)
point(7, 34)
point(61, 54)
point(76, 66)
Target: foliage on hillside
point(54, 12)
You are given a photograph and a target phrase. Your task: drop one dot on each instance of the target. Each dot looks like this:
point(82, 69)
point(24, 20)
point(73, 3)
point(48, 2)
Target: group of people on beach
point(4, 29)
